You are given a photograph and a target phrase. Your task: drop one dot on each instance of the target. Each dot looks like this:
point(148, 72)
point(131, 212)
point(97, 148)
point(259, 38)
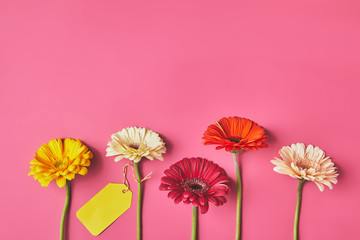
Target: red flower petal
point(172, 174)
point(187, 194)
point(220, 180)
point(174, 194)
point(202, 200)
point(169, 180)
point(196, 203)
point(204, 208)
point(178, 200)
point(213, 200)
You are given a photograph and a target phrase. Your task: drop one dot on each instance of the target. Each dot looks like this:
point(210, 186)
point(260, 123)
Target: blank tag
point(105, 207)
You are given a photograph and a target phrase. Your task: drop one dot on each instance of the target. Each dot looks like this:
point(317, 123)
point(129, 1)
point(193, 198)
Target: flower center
point(58, 164)
point(196, 185)
point(235, 140)
point(134, 146)
point(307, 163)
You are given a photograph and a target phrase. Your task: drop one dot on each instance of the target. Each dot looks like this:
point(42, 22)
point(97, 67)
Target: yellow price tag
point(105, 207)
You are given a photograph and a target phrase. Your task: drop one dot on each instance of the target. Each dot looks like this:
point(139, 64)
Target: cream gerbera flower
point(306, 163)
point(134, 143)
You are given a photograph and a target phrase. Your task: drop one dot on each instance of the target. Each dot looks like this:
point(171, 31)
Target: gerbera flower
point(134, 143)
point(235, 134)
point(196, 181)
point(60, 160)
point(306, 163)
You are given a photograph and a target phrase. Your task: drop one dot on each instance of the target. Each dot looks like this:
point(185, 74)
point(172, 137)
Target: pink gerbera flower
point(196, 181)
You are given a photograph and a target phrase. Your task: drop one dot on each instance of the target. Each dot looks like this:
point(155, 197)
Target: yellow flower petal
point(70, 176)
point(83, 171)
point(61, 181)
point(45, 183)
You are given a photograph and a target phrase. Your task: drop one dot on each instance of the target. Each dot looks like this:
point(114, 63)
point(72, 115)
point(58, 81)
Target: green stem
point(239, 197)
point(194, 223)
point(297, 211)
point(139, 207)
point(66, 206)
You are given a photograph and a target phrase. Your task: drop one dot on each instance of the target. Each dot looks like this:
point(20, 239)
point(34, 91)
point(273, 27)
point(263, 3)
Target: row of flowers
point(194, 181)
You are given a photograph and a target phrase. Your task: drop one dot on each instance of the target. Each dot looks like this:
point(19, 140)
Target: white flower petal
point(118, 158)
point(320, 186)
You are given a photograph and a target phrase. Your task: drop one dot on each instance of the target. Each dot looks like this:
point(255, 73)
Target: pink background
point(86, 69)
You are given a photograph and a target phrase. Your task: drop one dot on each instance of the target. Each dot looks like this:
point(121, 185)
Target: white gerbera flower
point(134, 143)
point(306, 163)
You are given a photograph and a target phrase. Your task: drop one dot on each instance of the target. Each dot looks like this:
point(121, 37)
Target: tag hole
point(124, 191)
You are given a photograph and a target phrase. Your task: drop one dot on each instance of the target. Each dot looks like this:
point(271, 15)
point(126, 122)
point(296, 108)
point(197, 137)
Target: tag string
point(126, 181)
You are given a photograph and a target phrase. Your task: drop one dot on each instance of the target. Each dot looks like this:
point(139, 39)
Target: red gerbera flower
point(235, 134)
point(197, 181)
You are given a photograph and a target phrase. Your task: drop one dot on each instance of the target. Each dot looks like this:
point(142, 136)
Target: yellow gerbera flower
point(60, 160)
